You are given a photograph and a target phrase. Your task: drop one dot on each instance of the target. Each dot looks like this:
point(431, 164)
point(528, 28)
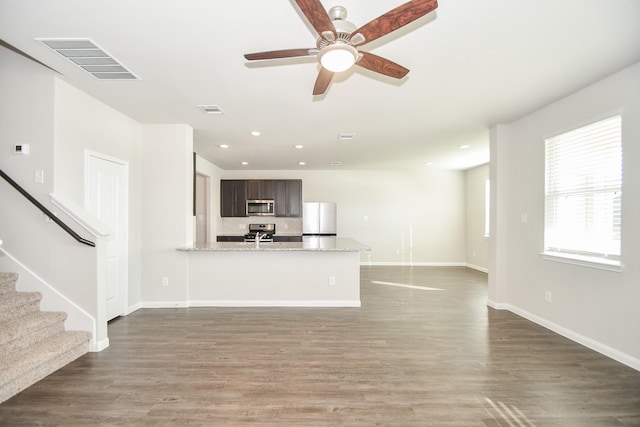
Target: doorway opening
point(202, 209)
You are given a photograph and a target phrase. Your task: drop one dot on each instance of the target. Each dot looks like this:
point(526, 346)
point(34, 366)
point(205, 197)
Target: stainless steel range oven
point(266, 232)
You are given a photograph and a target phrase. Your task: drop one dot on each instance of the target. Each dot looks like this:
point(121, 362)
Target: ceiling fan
point(339, 41)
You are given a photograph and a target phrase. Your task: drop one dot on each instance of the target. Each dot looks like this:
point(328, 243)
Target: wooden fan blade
point(396, 18)
point(316, 15)
point(322, 82)
point(381, 65)
point(275, 54)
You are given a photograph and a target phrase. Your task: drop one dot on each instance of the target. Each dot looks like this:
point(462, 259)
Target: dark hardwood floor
point(409, 357)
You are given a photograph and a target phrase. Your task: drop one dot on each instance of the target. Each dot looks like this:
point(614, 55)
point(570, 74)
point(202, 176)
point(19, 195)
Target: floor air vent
point(90, 57)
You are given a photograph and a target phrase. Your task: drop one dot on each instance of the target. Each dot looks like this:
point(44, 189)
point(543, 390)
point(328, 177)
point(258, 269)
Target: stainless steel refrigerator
point(319, 219)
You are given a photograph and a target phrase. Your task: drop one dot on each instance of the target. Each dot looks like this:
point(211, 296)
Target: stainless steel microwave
point(260, 208)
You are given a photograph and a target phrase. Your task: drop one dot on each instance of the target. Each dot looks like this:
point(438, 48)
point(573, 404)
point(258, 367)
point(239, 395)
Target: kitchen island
point(317, 272)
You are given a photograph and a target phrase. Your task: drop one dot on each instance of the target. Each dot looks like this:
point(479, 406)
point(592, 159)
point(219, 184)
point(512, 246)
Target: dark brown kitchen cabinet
point(260, 189)
point(233, 197)
point(288, 197)
point(286, 193)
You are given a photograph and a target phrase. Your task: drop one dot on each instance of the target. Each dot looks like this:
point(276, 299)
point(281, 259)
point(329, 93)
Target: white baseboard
point(594, 345)
point(250, 303)
point(497, 305)
point(164, 304)
point(477, 267)
point(99, 345)
point(132, 308)
point(52, 299)
point(275, 303)
point(414, 264)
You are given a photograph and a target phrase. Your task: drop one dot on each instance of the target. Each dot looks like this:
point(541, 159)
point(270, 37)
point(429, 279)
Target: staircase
point(33, 343)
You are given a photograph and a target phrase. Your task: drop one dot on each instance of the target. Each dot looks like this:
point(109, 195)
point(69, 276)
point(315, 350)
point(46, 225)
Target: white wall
point(167, 210)
point(82, 123)
point(477, 245)
point(413, 218)
point(51, 257)
point(596, 307)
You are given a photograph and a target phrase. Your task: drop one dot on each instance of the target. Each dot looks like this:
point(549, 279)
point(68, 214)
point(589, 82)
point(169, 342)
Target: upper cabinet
point(260, 189)
point(233, 197)
point(286, 194)
point(288, 197)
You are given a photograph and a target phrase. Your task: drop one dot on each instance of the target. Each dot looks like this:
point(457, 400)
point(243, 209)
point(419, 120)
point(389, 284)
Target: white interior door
point(106, 198)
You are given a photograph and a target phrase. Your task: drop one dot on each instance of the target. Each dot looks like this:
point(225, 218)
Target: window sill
point(585, 261)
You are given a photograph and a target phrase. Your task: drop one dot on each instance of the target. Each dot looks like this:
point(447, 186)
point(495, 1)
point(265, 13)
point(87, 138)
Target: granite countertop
point(309, 244)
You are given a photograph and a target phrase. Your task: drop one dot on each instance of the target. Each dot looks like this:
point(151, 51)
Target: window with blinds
point(583, 193)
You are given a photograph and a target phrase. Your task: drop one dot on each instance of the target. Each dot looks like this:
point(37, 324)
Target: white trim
point(99, 346)
point(414, 264)
point(592, 262)
point(601, 348)
point(251, 303)
point(67, 305)
point(80, 215)
point(477, 267)
point(135, 307)
point(497, 305)
point(164, 304)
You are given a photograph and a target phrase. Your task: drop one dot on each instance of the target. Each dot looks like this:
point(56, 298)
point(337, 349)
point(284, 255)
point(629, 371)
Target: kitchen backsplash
point(239, 226)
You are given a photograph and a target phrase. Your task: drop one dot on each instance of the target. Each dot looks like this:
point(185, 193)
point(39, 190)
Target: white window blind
point(583, 192)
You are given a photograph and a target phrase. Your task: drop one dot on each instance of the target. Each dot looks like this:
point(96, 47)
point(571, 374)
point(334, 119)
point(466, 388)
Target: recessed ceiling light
point(465, 146)
point(223, 146)
point(211, 109)
point(346, 136)
point(244, 163)
point(302, 163)
point(298, 146)
point(255, 133)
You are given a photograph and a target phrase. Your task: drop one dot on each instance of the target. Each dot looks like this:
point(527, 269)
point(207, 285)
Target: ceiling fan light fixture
point(338, 57)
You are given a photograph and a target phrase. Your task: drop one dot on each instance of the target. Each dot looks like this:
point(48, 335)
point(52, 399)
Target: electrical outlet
point(39, 176)
point(397, 251)
point(332, 280)
point(165, 281)
point(547, 296)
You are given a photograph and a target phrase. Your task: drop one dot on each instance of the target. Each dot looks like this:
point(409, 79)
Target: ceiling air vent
point(90, 57)
point(345, 136)
point(333, 163)
point(211, 109)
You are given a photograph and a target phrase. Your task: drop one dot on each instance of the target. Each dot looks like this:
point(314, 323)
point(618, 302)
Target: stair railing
point(46, 211)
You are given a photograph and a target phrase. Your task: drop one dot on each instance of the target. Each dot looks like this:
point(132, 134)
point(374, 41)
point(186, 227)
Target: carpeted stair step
point(8, 282)
point(18, 304)
point(27, 330)
point(30, 365)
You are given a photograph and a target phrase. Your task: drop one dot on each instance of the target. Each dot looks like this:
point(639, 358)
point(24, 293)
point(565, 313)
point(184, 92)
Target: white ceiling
point(474, 64)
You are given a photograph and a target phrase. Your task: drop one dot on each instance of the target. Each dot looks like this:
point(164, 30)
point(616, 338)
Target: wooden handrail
point(46, 211)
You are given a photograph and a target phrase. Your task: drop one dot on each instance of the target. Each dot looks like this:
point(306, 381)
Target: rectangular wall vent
point(211, 109)
point(90, 57)
point(346, 136)
point(335, 163)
